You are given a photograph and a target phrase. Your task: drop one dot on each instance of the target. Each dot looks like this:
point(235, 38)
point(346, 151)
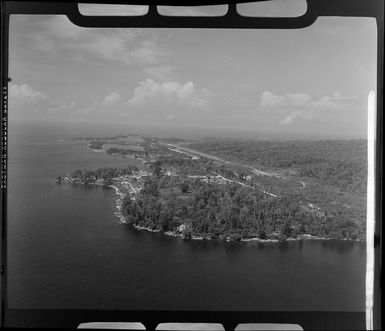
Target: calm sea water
point(66, 249)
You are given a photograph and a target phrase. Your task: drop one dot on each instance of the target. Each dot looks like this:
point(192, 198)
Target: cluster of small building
point(131, 183)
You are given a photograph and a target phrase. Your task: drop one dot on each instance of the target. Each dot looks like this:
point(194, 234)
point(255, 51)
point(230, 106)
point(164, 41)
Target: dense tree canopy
point(228, 211)
point(340, 163)
point(207, 197)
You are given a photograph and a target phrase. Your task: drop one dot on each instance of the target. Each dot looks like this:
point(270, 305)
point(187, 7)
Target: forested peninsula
point(212, 189)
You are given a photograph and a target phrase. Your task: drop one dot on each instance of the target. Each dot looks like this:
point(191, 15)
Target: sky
point(313, 81)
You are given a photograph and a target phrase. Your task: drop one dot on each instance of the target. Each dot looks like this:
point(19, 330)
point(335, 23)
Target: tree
point(130, 210)
point(165, 217)
point(302, 228)
point(150, 187)
point(262, 234)
point(184, 187)
point(157, 168)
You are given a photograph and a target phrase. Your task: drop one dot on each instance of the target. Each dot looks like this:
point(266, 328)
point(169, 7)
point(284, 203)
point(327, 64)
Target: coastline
point(96, 150)
point(118, 214)
point(103, 151)
point(118, 203)
point(122, 188)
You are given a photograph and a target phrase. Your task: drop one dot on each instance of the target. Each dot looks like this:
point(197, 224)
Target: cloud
point(269, 100)
point(20, 95)
point(111, 99)
point(63, 108)
point(131, 47)
point(150, 100)
point(337, 101)
point(303, 105)
point(27, 103)
point(170, 94)
point(287, 120)
point(304, 114)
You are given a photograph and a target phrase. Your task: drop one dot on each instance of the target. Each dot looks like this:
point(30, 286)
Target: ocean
point(67, 249)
